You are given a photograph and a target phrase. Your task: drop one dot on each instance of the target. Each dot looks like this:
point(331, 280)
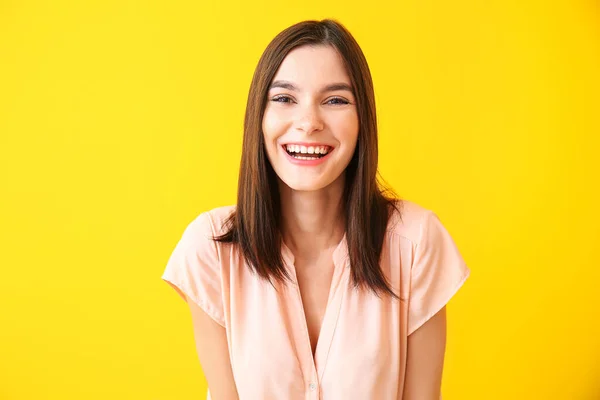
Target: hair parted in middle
point(254, 225)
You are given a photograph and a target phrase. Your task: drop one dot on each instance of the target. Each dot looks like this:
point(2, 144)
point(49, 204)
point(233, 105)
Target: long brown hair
point(255, 223)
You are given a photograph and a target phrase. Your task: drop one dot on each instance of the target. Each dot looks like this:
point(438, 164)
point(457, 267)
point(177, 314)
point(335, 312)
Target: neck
point(312, 221)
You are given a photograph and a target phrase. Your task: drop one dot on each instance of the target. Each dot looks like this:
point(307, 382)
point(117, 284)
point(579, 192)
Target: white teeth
point(294, 148)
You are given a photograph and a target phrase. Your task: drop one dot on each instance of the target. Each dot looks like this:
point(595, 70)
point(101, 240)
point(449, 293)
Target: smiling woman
point(316, 284)
point(318, 93)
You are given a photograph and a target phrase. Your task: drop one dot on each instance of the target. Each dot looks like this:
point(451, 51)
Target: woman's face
point(310, 124)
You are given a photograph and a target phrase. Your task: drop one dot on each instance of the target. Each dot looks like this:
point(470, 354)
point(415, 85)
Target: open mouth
point(307, 152)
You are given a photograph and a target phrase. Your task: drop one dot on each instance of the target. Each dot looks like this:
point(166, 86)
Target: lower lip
point(307, 163)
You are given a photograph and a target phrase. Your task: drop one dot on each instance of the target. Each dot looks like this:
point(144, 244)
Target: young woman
point(316, 285)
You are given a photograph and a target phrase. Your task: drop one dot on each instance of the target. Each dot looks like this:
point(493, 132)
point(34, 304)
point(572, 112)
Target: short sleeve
point(438, 271)
point(194, 268)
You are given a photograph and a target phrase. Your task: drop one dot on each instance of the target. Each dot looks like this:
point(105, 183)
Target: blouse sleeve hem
point(183, 291)
point(449, 294)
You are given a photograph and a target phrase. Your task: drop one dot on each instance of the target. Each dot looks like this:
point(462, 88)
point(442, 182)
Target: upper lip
point(306, 144)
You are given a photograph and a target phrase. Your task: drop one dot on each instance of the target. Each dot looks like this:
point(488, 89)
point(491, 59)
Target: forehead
point(312, 67)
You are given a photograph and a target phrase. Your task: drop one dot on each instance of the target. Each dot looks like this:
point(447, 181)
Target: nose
point(309, 120)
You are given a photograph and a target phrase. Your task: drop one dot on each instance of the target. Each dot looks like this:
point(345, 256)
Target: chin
point(306, 185)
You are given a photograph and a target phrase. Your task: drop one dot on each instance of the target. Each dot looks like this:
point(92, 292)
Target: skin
point(312, 216)
point(312, 219)
point(301, 108)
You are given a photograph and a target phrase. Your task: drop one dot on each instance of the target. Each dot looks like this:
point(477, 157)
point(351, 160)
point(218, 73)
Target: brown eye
point(281, 99)
point(338, 101)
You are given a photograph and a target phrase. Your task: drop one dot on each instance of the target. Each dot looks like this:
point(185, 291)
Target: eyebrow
point(329, 88)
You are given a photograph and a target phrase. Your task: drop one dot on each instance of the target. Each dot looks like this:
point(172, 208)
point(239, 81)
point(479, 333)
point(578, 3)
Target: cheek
point(272, 124)
point(346, 128)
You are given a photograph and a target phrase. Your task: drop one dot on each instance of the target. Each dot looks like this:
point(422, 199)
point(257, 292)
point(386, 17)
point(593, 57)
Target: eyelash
point(342, 101)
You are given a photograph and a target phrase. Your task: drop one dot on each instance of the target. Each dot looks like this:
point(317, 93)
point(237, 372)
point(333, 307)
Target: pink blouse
point(361, 349)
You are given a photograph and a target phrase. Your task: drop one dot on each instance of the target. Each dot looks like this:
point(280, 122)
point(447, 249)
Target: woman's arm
point(211, 345)
point(425, 359)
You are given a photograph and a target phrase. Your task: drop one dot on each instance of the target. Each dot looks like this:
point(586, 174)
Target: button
point(312, 387)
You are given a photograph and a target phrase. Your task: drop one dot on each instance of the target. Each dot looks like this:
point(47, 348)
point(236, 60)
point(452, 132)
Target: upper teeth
point(294, 148)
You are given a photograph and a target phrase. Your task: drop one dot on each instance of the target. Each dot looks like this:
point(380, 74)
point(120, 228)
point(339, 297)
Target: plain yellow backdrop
point(120, 121)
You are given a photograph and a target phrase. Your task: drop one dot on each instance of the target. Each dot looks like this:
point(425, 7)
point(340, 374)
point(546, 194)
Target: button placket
point(330, 318)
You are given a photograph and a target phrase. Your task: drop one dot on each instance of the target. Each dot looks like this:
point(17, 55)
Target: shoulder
point(409, 222)
point(219, 216)
point(208, 223)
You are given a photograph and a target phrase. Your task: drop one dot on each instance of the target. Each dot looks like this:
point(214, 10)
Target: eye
point(281, 99)
point(338, 101)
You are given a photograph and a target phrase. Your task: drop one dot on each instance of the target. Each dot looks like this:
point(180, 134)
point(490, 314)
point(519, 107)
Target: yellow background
point(121, 121)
